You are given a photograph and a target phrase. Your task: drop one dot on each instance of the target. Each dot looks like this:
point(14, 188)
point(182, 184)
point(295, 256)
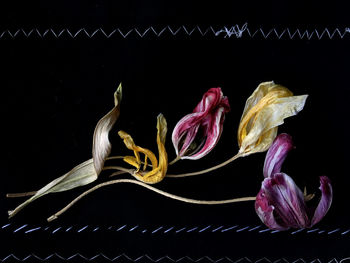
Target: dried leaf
point(80, 175)
point(101, 147)
point(89, 170)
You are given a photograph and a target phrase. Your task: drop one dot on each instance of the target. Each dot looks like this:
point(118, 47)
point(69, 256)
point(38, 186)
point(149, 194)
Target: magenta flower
point(280, 204)
point(196, 134)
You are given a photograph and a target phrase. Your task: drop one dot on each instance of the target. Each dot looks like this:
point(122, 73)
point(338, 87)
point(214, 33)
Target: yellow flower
point(264, 111)
point(159, 170)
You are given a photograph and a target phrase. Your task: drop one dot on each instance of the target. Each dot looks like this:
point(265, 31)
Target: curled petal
point(325, 202)
point(265, 212)
point(136, 161)
point(213, 126)
point(196, 134)
point(158, 174)
point(211, 99)
point(260, 92)
point(287, 199)
point(265, 110)
point(159, 169)
point(101, 146)
point(277, 153)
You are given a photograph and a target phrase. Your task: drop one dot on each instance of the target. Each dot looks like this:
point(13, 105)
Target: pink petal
point(208, 116)
point(210, 100)
point(325, 202)
point(213, 132)
point(183, 128)
point(265, 212)
point(277, 153)
point(287, 198)
point(190, 136)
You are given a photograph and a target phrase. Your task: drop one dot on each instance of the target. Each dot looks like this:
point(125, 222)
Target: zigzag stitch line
point(227, 32)
point(187, 258)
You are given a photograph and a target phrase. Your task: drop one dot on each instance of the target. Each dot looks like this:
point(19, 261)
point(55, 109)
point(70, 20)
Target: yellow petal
point(158, 173)
point(136, 161)
point(80, 175)
point(265, 110)
point(265, 94)
point(101, 147)
point(161, 136)
point(132, 161)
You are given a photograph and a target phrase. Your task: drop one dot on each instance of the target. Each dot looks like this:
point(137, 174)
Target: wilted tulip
point(159, 169)
point(264, 111)
point(196, 134)
point(280, 204)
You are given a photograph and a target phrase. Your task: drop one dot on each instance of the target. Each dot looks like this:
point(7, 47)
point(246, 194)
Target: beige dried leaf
point(101, 147)
point(89, 170)
point(80, 175)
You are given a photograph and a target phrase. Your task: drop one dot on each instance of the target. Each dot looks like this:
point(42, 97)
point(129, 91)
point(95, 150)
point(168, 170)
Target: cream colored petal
point(262, 144)
point(80, 175)
point(257, 95)
point(260, 137)
point(266, 93)
point(101, 147)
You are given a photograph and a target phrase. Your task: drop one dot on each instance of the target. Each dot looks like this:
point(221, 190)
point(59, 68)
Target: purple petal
point(277, 153)
point(265, 212)
point(208, 117)
point(287, 199)
point(326, 200)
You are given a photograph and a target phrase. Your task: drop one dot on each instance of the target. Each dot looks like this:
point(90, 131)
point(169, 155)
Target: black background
point(54, 90)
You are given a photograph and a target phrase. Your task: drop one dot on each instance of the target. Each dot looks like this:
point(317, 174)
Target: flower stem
point(206, 170)
point(117, 173)
point(115, 157)
point(13, 195)
point(175, 160)
point(119, 168)
point(179, 198)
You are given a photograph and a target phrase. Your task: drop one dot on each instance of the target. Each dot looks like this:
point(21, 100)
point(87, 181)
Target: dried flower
point(196, 134)
point(280, 204)
point(264, 111)
point(159, 170)
point(88, 171)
